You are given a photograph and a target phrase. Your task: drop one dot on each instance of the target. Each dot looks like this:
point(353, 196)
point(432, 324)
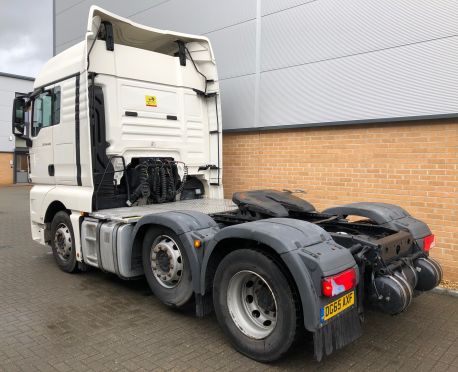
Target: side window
point(46, 110)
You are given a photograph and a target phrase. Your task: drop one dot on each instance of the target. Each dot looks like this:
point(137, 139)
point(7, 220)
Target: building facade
point(348, 100)
point(13, 153)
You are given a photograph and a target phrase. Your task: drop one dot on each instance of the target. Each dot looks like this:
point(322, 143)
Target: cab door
point(64, 133)
point(42, 152)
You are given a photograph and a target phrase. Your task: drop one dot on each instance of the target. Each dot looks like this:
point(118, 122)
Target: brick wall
point(414, 165)
point(6, 172)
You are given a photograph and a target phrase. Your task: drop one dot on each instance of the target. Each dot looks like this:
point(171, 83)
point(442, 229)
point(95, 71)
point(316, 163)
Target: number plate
point(337, 306)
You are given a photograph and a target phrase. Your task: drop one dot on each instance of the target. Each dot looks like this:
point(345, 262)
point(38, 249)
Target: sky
point(26, 34)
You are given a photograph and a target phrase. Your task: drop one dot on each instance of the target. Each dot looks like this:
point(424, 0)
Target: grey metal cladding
point(272, 6)
point(235, 49)
point(71, 20)
point(237, 100)
point(62, 47)
point(320, 61)
point(419, 79)
point(198, 16)
point(63, 5)
point(332, 29)
point(71, 25)
point(128, 8)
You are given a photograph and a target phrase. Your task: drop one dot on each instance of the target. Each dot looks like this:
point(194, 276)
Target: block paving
point(53, 321)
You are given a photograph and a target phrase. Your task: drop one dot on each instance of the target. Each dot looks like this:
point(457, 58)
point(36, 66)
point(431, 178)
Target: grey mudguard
point(307, 250)
point(188, 225)
point(179, 221)
point(386, 215)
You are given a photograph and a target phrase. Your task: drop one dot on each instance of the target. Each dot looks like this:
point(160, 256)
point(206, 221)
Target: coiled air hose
point(158, 181)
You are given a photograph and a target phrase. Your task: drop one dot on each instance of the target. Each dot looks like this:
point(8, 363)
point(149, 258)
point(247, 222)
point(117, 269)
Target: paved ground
point(50, 320)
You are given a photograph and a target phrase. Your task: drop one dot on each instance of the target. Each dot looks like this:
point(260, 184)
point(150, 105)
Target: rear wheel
point(166, 267)
point(255, 305)
point(63, 242)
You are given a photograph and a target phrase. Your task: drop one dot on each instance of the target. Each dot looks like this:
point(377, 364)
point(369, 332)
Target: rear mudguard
point(306, 249)
point(386, 215)
point(188, 225)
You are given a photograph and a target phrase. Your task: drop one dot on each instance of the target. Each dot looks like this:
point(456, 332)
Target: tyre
point(255, 305)
point(63, 242)
point(167, 267)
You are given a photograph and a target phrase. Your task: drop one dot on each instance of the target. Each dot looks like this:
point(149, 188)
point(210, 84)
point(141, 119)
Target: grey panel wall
point(190, 16)
point(309, 62)
point(8, 87)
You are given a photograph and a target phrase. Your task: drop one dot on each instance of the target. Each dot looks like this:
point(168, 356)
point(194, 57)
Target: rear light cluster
point(339, 283)
point(429, 242)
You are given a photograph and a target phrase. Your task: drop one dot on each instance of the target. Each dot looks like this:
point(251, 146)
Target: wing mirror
point(19, 109)
point(19, 122)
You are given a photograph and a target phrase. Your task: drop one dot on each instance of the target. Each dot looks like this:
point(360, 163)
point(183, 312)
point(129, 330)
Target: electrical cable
point(92, 46)
point(198, 71)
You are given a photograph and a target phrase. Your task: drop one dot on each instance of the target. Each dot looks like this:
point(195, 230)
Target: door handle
point(51, 170)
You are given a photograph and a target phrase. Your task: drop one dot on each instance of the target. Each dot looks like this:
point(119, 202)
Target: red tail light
point(339, 283)
point(429, 242)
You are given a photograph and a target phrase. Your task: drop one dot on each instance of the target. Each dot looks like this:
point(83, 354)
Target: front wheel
point(63, 242)
point(255, 305)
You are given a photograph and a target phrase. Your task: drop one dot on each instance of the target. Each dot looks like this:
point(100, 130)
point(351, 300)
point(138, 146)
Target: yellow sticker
point(151, 101)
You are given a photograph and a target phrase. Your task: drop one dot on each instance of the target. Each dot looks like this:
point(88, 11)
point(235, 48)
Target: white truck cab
point(132, 92)
point(126, 162)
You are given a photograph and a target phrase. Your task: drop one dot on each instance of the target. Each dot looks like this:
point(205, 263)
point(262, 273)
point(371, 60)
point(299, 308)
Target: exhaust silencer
point(394, 292)
point(429, 273)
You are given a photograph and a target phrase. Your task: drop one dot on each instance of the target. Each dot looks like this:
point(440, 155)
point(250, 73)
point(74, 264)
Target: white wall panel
point(8, 87)
point(12, 85)
point(235, 49)
point(237, 100)
point(331, 29)
point(420, 79)
point(5, 143)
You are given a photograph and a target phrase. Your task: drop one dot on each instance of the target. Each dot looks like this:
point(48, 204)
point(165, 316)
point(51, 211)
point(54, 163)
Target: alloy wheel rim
point(63, 242)
point(252, 304)
point(166, 261)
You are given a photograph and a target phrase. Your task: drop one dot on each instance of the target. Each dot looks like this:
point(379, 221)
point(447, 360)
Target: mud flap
point(339, 332)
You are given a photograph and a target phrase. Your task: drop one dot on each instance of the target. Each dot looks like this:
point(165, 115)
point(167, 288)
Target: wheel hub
point(63, 242)
point(252, 304)
point(166, 261)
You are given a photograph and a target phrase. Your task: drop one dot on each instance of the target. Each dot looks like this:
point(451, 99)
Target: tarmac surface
point(53, 321)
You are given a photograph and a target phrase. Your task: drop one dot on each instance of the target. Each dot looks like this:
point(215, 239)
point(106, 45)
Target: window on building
point(46, 110)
